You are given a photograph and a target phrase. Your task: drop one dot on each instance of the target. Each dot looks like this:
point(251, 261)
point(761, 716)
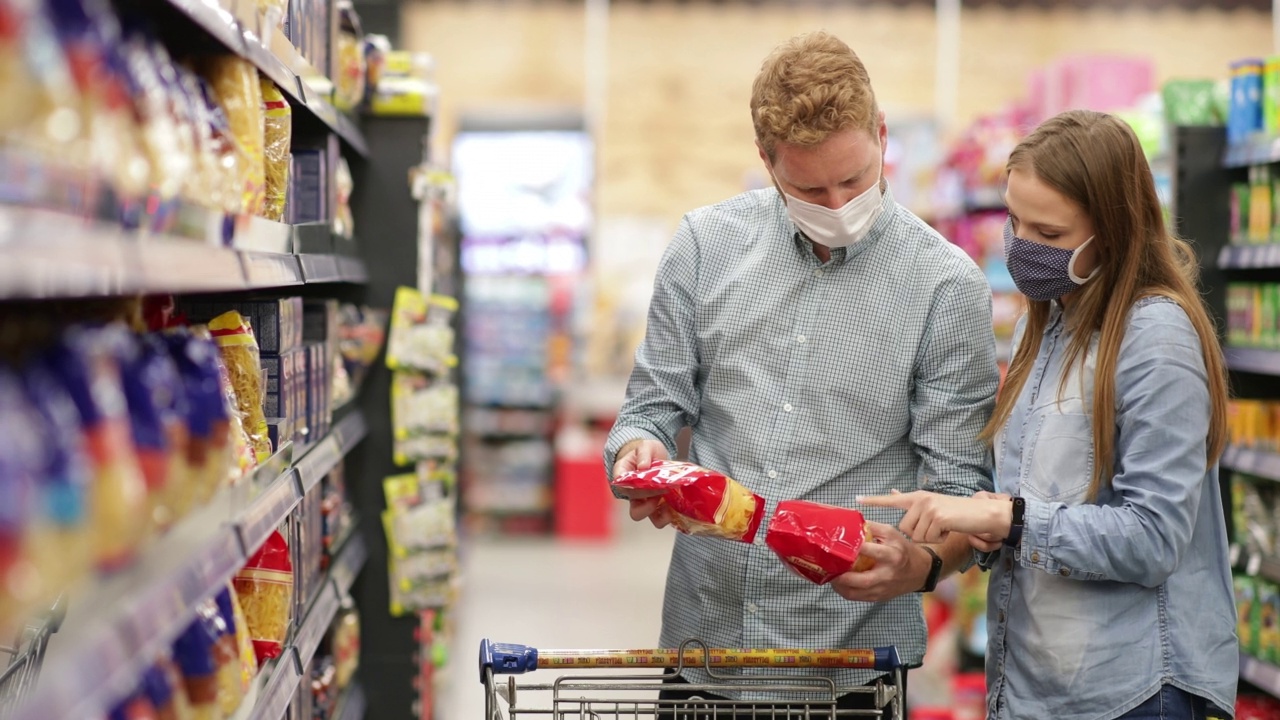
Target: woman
point(1110, 594)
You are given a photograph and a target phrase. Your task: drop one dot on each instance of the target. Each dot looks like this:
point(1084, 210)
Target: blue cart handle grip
point(506, 658)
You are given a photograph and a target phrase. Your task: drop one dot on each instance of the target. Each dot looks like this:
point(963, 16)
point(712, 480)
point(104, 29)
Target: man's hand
point(640, 455)
point(901, 567)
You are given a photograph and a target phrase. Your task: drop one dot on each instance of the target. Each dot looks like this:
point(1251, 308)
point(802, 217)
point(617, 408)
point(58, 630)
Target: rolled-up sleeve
point(955, 386)
point(1162, 418)
point(662, 395)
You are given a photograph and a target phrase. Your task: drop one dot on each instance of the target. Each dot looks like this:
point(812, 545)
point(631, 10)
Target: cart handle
point(508, 659)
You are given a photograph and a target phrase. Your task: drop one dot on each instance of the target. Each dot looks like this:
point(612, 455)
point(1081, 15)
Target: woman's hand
point(931, 516)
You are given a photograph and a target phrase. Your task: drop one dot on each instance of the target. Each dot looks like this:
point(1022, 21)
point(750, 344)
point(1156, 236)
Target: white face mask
point(837, 228)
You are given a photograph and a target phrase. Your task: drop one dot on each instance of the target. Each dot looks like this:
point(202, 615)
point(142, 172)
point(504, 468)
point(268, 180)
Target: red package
point(818, 542)
point(265, 590)
point(704, 502)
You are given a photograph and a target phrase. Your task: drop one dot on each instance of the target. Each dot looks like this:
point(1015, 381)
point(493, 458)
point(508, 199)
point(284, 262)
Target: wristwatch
point(1015, 525)
point(935, 571)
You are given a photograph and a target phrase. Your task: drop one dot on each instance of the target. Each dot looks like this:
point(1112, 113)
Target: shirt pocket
point(1059, 465)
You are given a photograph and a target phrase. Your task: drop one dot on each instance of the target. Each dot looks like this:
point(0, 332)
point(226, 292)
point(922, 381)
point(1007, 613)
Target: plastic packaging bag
point(239, 352)
point(421, 337)
point(265, 589)
point(419, 405)
point(818, 542)
point(277, 142)
point(62, 552)
point(246, 661)
point(424, 447)
point(208, 415)
point(344, 643)
point(117, 494)
point(194, 653)
point(235, 84)
point(704, 502)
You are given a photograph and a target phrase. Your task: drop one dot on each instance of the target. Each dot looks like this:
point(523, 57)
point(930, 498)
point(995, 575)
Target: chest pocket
point(1059, 462)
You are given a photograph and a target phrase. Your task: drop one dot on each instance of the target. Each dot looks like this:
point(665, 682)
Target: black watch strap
point(1015, 526)
point(935, 571)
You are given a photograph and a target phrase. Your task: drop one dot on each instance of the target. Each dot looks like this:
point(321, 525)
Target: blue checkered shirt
point(802, 379)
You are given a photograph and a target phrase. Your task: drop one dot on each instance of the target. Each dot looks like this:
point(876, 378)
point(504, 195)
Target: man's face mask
point(837, 228)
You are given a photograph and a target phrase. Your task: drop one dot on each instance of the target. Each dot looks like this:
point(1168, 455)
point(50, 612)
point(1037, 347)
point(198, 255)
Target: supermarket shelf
point(346, 565)
point(327, 453)
point(1255, 462)
point(283, 685)
point(139, 611)
point(1263, 674)
point(52, 255)
point(1249, 257)
point(332, 269)
point(1257, 151)
point(234, 26)
point(354, 705)
point(1252, 360)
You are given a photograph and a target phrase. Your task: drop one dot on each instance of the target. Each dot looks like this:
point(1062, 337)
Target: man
point(822, 343)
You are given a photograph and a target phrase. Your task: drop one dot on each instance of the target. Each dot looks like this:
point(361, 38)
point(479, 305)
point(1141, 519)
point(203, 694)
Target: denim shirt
point(1105, 601)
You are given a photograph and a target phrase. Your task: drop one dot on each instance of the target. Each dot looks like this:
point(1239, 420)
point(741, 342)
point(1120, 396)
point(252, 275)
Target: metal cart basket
point(635, 696)
point(19, 674)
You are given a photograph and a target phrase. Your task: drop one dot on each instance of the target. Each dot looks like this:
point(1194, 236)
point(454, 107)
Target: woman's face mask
point(1042, 272)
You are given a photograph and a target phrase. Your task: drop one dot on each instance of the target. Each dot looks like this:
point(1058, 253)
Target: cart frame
point(635, 697)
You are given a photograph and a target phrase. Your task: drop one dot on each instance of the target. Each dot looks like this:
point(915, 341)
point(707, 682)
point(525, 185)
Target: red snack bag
point(818, 542)
point(265, 590)
point(704, 502)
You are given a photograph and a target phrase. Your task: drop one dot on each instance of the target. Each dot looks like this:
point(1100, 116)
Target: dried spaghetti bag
point(239, 350)
point(235, 85)
point(277, 138)
point(265, 589)
point(171, 401)
point(703, 501)
point(819, 542)
point(208, 416)
point(84, 363)
point(229, 604)
point(63, 553)
point(230, 690)
point(193, 651)
point(162, 138)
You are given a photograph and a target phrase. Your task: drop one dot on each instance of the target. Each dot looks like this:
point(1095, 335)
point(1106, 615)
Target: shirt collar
point(838, 255)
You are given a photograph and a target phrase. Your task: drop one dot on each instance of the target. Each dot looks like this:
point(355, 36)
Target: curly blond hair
point(809, 87)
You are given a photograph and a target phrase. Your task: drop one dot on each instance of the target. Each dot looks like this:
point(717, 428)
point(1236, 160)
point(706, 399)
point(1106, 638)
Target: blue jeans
point(1170, 703)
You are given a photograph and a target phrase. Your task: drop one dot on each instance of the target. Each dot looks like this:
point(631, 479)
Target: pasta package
point(239, 350)
point(277, 139)
point(235, 84)
point(265, 590)
point(819, 542)
point(704, 502)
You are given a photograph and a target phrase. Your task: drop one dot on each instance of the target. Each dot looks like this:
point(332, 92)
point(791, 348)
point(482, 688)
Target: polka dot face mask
point(1042, 272)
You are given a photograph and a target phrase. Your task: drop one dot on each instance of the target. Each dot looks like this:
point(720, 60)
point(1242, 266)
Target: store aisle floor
point(553, 594)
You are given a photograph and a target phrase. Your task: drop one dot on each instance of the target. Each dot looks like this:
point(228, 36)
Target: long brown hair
point(1094, 160)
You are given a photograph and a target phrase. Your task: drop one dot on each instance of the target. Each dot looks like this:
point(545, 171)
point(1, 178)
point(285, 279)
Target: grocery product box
point(277, 324)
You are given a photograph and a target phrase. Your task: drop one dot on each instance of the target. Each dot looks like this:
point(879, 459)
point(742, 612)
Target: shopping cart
point(26, 655)
point(596, 697)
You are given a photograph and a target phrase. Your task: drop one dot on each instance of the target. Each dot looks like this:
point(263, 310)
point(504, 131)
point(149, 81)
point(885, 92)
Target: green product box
point(1271, 95)
point(1240, 213)
point(1246, 604)
point(1269, 621)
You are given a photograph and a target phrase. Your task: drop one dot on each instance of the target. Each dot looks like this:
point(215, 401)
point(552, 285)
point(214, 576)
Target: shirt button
point(1008, 563)
point(773, 474)
point(817, 273)
point(752, 608)
point(1001, 618)
point(1065, 572)
point(801, 339)
point(1035, 557)
point(788, 407)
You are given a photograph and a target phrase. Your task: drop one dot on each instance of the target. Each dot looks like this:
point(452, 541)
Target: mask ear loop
point(1071, 266)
